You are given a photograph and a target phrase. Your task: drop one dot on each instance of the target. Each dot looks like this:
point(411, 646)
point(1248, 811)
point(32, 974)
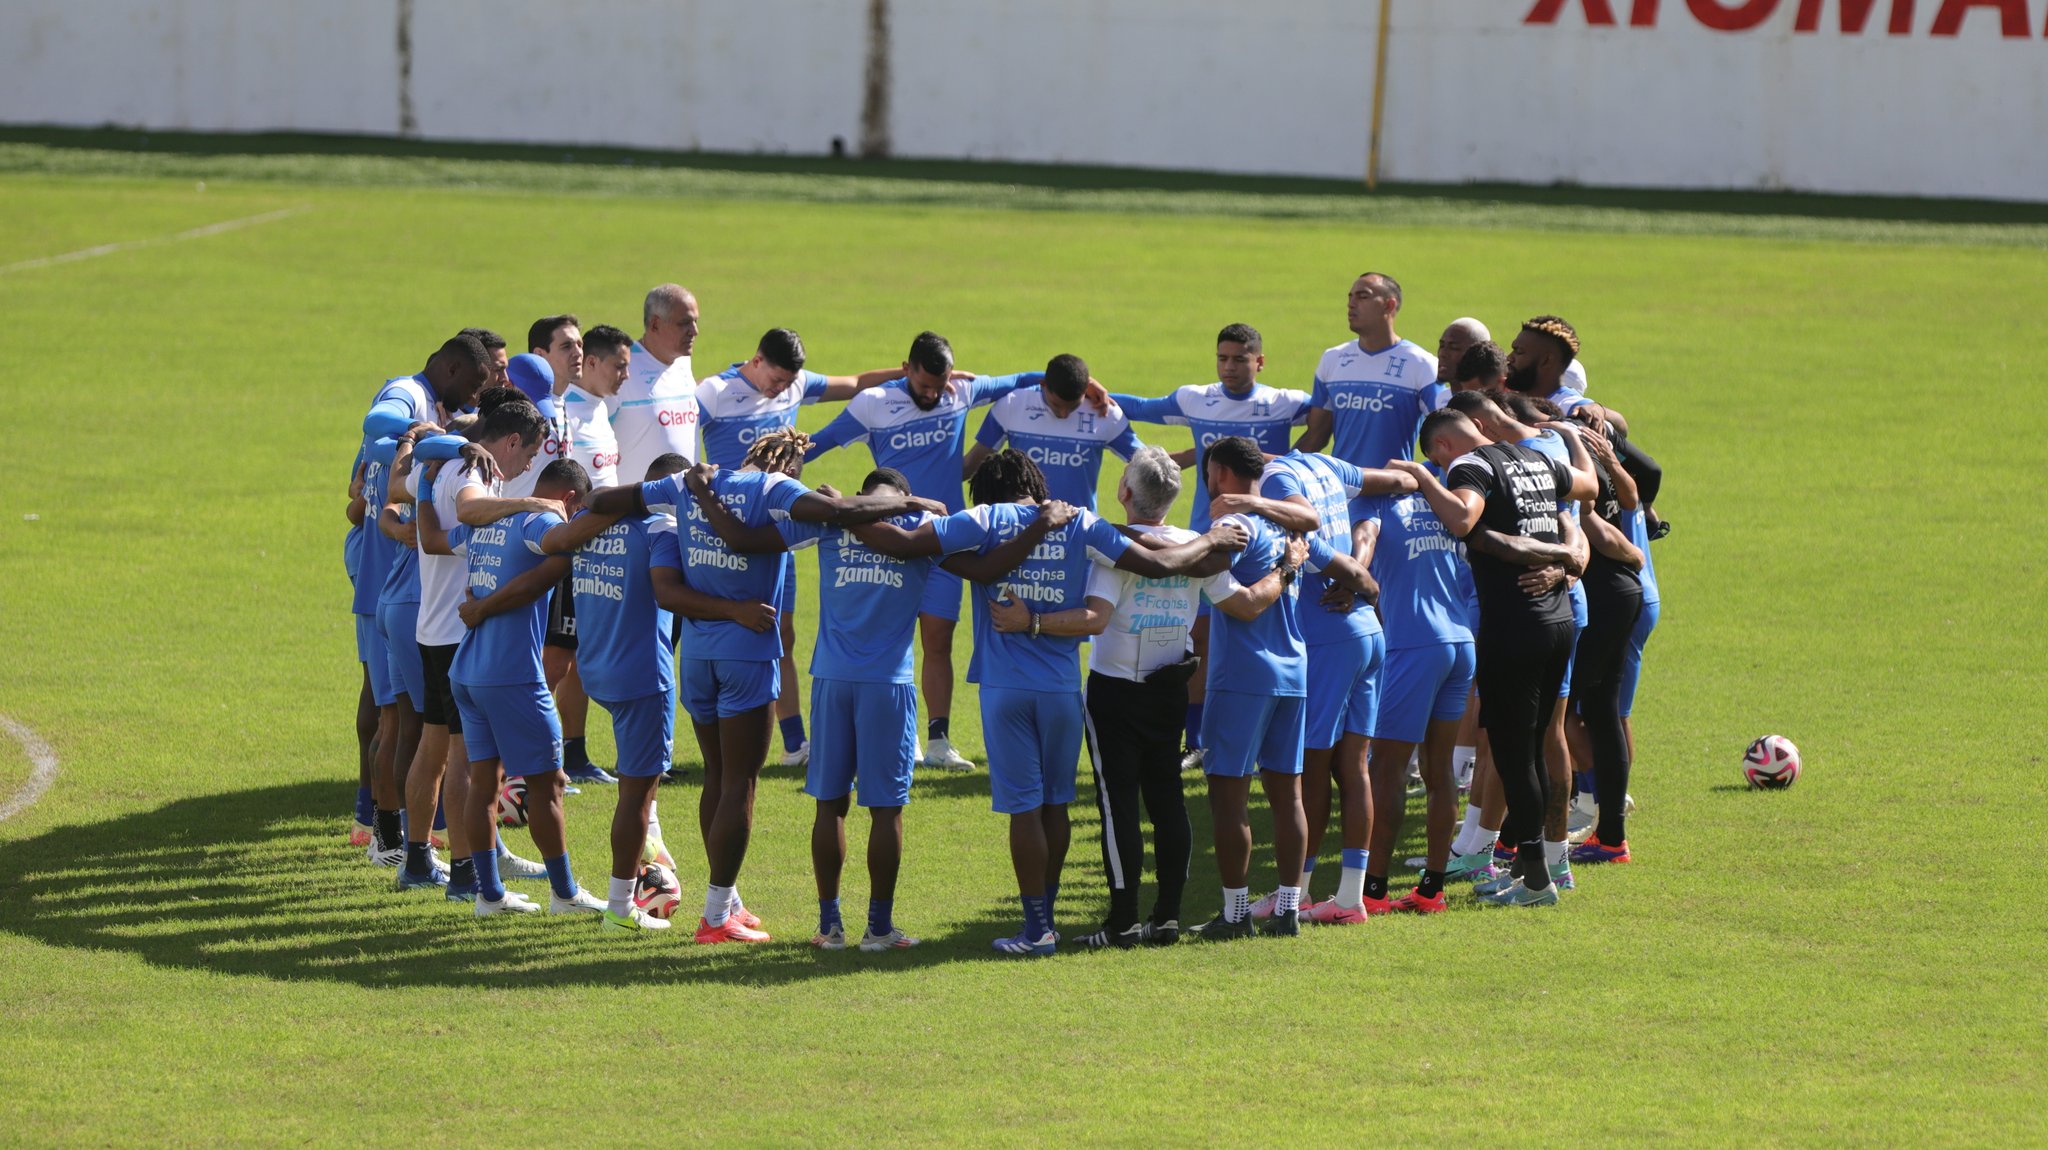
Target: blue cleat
point(461, 892)
point(1519, 895)
point(594, 775)
point(407, 880)
point(1021, 945)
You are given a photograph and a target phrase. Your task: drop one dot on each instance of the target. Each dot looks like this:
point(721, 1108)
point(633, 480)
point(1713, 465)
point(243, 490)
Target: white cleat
point(510, 904)
point(894, 940)
point(939, 753)
point(1263, 909)
point(582, 902)
point(512, 866)
point(395, 857)
point(798, 757)
point(634, 919)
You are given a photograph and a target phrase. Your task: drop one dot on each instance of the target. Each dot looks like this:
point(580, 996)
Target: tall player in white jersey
point(1372, 392)
point(655, 410)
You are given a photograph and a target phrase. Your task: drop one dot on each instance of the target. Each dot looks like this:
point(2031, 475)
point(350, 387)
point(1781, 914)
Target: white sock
point(1463, 757)
point(735, 906)
point(1237, 903)
point(1351, 887)
point(653, 822)
point(1553, 853)
point(1286, 898)
point(621, 901)
point(1471, 836)
point(717, 905)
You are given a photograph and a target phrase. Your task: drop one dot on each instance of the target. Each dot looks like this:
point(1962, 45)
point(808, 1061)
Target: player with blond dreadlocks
point(731, 646)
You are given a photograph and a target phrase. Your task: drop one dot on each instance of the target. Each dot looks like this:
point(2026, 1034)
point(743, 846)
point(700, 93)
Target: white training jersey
point(1575, 376)
point(588, 428)
point(443, 578)
point(654, 413)
point(1153, 616)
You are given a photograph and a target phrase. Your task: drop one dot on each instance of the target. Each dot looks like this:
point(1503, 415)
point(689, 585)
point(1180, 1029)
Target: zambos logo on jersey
point(907, 440)
point(878, 576)
point(1360, 401)
point(708, 557)
point(1052, 457)
point(598, 588)
point(1438, 542)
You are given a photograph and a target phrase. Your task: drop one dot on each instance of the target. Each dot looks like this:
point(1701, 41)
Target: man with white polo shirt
point(1050, 425)
point(654, 411)
point(734, 407)
point(1371, 392)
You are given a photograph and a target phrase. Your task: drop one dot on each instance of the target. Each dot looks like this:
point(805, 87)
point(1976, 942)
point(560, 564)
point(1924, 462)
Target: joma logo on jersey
point(1052, 457)
point(906, 440)
point(1360, 401)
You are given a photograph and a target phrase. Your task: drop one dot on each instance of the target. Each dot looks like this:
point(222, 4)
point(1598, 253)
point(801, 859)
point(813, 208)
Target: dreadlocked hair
point(778, 451)
point(1555, 328)
point(1006, 477)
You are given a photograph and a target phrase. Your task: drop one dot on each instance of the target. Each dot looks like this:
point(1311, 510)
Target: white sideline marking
point(129, 245)
point(42, 770)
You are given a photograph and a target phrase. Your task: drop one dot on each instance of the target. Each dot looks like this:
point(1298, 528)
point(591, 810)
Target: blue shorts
point(371, 654)
point(1033, 740)
point(1632, 659)
point(785, 603)
point(1564, 689)
point(1243, 733)
point(1421, 684)
point(864, 739)
point(1343, 690)
point(515, 724)
point(644, 731)
point(715, 689)
point(942, 595)
point(399, 624)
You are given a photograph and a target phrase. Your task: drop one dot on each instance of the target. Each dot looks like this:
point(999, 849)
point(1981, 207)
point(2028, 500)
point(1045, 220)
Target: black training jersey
point(1523, 488)
point(1605, 578)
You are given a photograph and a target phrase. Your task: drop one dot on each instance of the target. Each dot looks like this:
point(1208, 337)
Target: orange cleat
point(1414, 903)
point(744, 917)
point(1328, 913)
point(732, 930)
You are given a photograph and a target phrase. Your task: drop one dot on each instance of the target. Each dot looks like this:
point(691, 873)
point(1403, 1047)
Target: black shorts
point(440, 709)
point(562, 615)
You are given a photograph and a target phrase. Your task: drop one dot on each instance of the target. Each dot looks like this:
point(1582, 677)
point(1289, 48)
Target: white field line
point(130, 245)
point(42, 768)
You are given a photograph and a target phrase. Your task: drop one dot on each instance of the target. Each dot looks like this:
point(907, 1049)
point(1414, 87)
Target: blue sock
point(558, 875)
point(792, 732)
point(828, 915)
point(489, 886)
point(1036, 922)
point(404, 825)
point(440, 817)
point(1052, 896)
point(879, 920)
point(574, 755)
point(1355, 859)
point(419, 859)
point(1308, 867)
point(1193, 725)
point(1582, 782)
point(366, 807)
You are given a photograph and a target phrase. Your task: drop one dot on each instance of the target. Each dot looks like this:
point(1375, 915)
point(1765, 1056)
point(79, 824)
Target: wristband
point(1034, 624)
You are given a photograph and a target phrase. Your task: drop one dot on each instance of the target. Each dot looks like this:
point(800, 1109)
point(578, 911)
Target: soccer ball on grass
point(1771, 763)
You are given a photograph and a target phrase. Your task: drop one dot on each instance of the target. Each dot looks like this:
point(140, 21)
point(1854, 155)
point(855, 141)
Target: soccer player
point(1345, 650)
point(1483, 367)
point(1460, 335)
point(1614, 602)
point(1049, 424)
point(654, 410)
point(1138, 668)
point(1524, 638)
point(559, 340)
point(509, 724)
point(1255, 717)
point(1236, 404)
point(494, 349)
point(734, 407)
point(730, 675)
point(586, 419)
point(1371, 392)
point(397, 617)
point(916, 425)
point(448, 382)
point(1424, 685)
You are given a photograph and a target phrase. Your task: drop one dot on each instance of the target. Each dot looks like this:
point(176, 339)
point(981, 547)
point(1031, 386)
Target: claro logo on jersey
point(1852, 17)
point(676, 416)
point(909, 440)
point(1053, 457)
point(1360, 401)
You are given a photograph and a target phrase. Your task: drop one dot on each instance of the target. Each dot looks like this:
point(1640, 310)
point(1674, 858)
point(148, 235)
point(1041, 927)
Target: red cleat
point(744, 917)
point(1414, 903)
point(732, 930)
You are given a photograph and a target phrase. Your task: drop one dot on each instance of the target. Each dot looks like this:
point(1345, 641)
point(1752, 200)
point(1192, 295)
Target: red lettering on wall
point(1731, 15)
point(2012, 16)
point(1855, 16)
point(1597, 11)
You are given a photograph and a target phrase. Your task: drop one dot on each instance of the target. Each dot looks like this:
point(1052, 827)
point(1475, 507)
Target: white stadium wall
point(1906, 97)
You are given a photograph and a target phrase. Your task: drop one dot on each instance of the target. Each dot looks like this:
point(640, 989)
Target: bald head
point(670, 316)
point(1452, 344)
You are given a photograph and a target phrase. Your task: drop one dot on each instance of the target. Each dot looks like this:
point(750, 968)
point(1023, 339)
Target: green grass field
point(189, 954)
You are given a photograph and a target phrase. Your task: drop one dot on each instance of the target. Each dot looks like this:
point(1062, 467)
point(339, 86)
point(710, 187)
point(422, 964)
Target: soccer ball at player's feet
point(512, 803)
point(656, 891)
point(1771, 763)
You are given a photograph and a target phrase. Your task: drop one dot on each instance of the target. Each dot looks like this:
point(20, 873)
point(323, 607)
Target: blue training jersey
point(504, 650)
point(622, 649)
point(1376, 400)
point(1418, 565)
point(1266, 655)
point(402, 582)
point(867, 603)
point(1329, 484)
point(1549, 442)
point(1053, 578)
point(756, 498)
point(1211, 412)
point(379, 551)
point(1068, 449)
point(732, 413)
point(1637, 525)
point(925, 444)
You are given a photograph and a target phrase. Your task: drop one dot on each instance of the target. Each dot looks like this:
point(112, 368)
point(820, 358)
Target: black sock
point(462, 872)
point(1123, 910)
point(1535, 871)
point(574, 756)
point(1375, 886)
point(1432, 884)
point(938, 727)
point(386, 824)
